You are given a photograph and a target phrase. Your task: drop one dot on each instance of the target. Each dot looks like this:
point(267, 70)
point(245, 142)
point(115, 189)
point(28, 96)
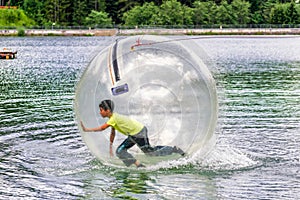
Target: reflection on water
point(264, 96)
point(42, 155)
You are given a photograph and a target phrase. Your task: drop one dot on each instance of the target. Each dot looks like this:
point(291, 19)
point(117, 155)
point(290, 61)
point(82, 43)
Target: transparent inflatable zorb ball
point(160, 82)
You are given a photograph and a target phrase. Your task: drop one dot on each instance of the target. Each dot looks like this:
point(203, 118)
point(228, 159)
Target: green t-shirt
point(124, 124)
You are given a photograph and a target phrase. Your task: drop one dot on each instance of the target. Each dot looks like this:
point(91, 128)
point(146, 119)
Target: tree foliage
point(241, 11)
point(98, 18)
point(155, 12)
point(142, 15)
point(14, 17)
point(172, 12)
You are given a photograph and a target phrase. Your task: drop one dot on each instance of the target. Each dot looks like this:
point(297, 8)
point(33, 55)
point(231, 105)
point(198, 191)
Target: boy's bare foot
point(138, 164)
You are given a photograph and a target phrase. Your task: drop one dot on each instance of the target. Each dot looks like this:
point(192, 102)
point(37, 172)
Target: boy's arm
point(111, 140)
point(112, 136)
point(99, 128)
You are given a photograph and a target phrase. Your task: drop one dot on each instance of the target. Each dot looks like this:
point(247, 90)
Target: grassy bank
point(159, 31)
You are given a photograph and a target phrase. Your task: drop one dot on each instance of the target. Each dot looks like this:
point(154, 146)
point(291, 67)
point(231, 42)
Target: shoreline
point(158, 31)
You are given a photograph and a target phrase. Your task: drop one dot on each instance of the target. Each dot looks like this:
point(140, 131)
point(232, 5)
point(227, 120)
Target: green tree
point(14, 17)
point(35, 10)
point(97, 5)
point(188, 3)
point(261, 13)
point(51, 11)
point(173, 13)
point(277, 15)
point(201, 14)
point(204, 12)
point(98, 19)
point(255, 5)
point(142, 15)
point(112, 10)
point(126, 5)
point(292, 13)
point(79, 12)
point(65, 10)
point(284, 13)
point(266, 10)
point(223, 14)
point(58, 11)
point(240, 11)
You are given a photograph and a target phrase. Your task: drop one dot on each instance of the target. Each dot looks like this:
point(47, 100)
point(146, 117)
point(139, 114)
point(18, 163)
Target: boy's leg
point(143, 142)
point(167, 150)
point(141, 139)
point(122, 153)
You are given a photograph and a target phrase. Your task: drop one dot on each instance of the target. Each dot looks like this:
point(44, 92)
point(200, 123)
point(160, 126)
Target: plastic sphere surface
point(160, 82)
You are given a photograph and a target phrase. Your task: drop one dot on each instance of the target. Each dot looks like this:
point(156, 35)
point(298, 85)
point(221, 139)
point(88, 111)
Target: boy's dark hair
point(107, 105)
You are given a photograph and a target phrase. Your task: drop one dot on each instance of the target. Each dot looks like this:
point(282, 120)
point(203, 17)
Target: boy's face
point(104, 113)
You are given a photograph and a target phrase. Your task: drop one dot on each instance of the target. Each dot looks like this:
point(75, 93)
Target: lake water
point(257, 155)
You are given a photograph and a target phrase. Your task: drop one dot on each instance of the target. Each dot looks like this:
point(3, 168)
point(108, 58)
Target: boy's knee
point(148, 150)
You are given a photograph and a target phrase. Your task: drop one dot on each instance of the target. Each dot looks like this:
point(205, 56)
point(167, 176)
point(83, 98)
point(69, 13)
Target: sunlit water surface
point(42, 155)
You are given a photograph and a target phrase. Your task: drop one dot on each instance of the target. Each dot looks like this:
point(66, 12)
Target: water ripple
point(42, 155)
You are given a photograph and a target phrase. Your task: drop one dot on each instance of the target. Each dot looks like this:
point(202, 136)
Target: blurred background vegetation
point(132, 13)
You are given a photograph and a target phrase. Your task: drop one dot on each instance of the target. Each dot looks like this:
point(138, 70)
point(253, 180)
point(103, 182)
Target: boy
point(136, 132)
